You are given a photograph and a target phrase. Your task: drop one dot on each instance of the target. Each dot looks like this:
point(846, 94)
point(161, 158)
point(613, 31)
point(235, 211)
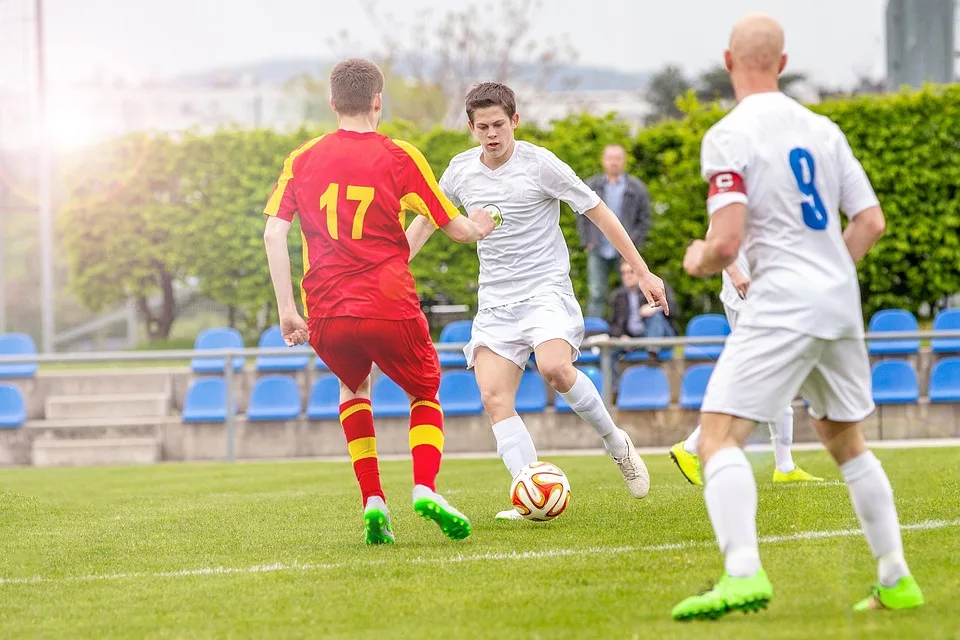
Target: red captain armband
point(726, 183)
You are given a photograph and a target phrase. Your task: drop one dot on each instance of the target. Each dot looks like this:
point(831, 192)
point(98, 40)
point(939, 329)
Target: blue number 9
point(814, 213)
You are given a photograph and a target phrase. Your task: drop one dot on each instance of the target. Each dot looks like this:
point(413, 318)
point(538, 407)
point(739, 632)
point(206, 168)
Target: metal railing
point(609, 347)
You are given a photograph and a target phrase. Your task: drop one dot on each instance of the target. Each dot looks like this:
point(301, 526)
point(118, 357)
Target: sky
point(832, 40)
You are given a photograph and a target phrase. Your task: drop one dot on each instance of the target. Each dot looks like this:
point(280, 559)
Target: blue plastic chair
point(895, 382)
point(458, 331)
point(275, 397)
point(596, 377)
point(13, 410)
point(594, 326)
point(532, 393)
point(221, 338)
point(694, 385)
point(893, 320)
point(271, 338)
point(388, 399)
point(17, 344)
point(643, 388)
point(641, 356)
point(946, 320)
point(708, 324)
point(324, 401)
point(206, 401)
point(459, 394)
point(945, 381)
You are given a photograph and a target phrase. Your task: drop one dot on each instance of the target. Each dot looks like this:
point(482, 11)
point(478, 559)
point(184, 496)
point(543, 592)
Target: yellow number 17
point(363, 196)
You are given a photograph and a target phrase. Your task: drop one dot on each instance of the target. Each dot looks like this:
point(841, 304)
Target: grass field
point(274, 550)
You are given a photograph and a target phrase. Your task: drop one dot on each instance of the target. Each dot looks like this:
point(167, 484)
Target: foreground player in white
point(526, 300)
point(779, 176)
point(736, 282)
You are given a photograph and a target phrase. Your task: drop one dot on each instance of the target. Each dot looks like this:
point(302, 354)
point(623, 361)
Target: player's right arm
point(859, 202)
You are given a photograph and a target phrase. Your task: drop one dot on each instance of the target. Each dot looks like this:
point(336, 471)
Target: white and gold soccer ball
point(540, 491)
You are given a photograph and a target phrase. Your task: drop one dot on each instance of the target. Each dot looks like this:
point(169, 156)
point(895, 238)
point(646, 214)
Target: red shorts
point(402, 349)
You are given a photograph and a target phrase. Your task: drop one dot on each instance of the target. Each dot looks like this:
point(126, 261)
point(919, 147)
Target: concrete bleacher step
point(106, 382)
point(84, 452)
point(130, 405)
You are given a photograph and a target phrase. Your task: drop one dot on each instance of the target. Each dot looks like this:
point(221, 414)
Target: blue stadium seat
point(893, 320)
point(458, 331)
point(271, 338)
point(707, 324)
point(694, 385)
point(324, 402)
point(459, 394)
point(532, 394)
point(946, 320)
point(596, 377)
point(587, 356)
point(275, 397)
point(643, 388)
point(945, 381)
point(221, 338)
point(17, 344)
point(593, 326)
point(639, 355)
point(895, 382)
point(206, 401)
point(388, 399)
point(13, 410)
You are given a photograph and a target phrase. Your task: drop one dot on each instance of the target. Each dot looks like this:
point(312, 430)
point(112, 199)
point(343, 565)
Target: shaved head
point(756, 44)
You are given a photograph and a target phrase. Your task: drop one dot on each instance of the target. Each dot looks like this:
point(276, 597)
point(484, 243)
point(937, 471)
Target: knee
point(363, 391)
point(558, 374)
point(498, 404)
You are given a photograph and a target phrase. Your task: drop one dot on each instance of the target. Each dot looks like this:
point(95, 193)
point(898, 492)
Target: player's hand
point(691, 259)
point(741, 283)
point(654, 291)
point(294, 329)
point(484, 221)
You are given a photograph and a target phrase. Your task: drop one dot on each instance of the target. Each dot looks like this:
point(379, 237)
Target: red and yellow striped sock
point(356, 416)
point(426, 441)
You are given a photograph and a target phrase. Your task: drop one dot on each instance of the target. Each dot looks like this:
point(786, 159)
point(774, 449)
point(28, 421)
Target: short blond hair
point(354, 83)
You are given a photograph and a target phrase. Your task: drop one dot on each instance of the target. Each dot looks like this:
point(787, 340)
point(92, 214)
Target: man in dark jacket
point(629, 199)
point(632, 317)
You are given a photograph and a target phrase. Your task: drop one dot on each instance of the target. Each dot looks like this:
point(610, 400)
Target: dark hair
point(353, 85)
point(490, 94)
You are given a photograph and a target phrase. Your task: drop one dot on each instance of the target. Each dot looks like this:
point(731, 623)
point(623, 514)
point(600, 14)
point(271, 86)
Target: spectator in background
point(632, 317)
point(629, 199)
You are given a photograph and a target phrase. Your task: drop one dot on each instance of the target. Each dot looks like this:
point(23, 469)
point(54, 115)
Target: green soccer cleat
point(432, 506)
point(688, 464)
point(376, 522)
point(796, 476)
point(905, 594)
point(730, 594)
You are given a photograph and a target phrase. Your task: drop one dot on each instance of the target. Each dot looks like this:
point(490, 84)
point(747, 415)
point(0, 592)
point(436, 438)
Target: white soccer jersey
point(526, 255)
point(795, 171)
point(728, 293)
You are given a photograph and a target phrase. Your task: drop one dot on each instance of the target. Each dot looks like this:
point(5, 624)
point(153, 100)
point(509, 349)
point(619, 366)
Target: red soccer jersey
point(352, 191)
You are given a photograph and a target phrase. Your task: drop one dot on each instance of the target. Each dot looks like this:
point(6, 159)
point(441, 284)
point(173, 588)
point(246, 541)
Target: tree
point(666, 86)
point(714, 83)
point(309, 95)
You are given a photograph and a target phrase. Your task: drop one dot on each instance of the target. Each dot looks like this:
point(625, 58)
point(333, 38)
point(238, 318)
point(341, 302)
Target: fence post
point(606, 365)
point(231, 422)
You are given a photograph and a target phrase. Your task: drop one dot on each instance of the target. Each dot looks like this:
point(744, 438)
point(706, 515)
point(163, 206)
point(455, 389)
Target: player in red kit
point(352, 189)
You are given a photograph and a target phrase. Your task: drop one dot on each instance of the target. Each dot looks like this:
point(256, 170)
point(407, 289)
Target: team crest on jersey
point(495, 213)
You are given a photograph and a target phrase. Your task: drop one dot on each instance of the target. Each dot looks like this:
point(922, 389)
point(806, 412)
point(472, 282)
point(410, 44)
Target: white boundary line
point(926, 525)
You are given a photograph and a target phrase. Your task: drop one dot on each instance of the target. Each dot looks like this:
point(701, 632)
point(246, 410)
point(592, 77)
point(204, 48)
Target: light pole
point(44, 195)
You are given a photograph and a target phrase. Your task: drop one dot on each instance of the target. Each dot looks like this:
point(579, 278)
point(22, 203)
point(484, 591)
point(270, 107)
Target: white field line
point(926, 525)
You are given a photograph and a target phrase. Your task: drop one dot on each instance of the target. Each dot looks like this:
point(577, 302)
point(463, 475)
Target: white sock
point(584, 398)
point(781, 435)
point(872, 499)
point(514, 444)
point(690, 444)
point(730, 492)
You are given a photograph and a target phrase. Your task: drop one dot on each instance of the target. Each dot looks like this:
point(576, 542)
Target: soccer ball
point(540, 491)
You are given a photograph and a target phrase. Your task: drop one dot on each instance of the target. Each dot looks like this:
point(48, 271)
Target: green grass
point(587, 574)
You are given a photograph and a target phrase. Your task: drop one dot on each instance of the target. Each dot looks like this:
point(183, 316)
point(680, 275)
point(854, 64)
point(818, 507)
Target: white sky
point(833, 40)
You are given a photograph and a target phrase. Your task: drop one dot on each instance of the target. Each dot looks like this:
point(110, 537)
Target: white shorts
point(513, 331)
point(732, 315)
point(761, 371)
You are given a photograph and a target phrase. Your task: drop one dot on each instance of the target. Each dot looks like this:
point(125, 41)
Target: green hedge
point(189, 207)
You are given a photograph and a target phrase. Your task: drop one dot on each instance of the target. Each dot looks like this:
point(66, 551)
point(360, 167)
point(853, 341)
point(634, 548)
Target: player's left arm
point(859, 202)
point(560, 181)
